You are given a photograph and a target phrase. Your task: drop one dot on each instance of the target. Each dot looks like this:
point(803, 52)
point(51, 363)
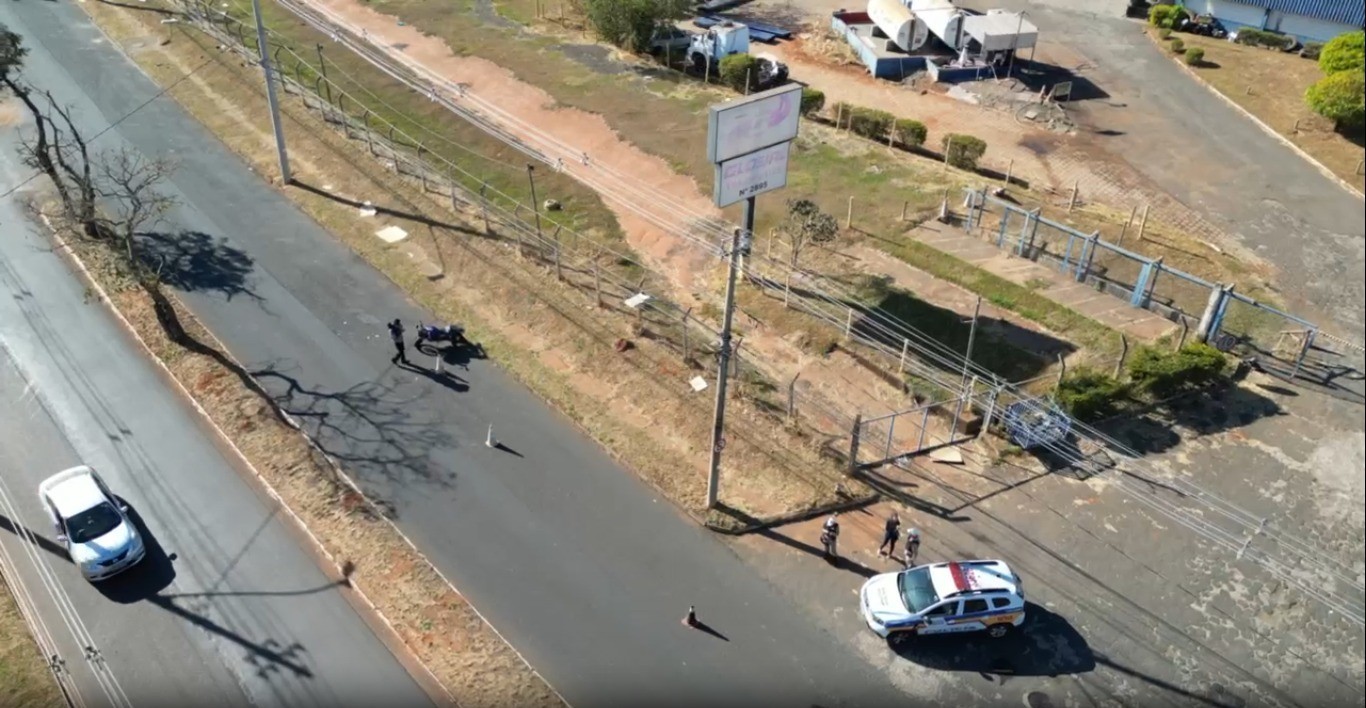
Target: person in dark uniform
point(396, 334)
point(890, 535)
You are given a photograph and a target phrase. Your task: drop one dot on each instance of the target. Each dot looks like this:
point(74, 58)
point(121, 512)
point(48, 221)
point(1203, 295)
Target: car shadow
point(143, 581)
point(1045, 645)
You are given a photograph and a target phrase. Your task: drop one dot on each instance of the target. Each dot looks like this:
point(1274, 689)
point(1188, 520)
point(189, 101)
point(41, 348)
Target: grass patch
point(1277, 82)
point(25, 680)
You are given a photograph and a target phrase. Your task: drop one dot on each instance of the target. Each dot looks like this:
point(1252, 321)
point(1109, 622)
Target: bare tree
point(128, 187)
point(805, 224)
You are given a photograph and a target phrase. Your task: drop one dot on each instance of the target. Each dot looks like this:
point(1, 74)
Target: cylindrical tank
point(943, 19)
point(898, 23)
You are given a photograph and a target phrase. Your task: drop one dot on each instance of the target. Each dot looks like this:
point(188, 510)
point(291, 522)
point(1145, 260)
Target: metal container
point(898, 23)
point(943, 19)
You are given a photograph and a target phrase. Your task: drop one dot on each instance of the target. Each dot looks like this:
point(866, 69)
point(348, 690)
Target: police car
point(944, 598)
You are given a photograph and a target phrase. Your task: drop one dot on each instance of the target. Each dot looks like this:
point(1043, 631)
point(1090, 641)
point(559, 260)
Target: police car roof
point(968, 577)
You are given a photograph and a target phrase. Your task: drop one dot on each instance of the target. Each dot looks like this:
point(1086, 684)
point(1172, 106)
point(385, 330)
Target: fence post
point(369, 134)
point(1125, 229)
point(1309, 337)
point(787, 288)
point(421, 168)
point(901, 364)
point(1088, 252)
point(1123, 354)
point(1205, 330)
point(1185, 330)
point(1001, 233)
point(849, 323)
point(792, 396)
point(1010, 168)
point(849, 215)
point(484, 204)
point(1031, 225)
point(1143, 223)
point(853, 443)
point(964, 396)
point(891, 426)
point(1072, 203)
point(1138, 298)
point(924, 422)
point(687, 348)
point(1152, 282)
point(991, 411)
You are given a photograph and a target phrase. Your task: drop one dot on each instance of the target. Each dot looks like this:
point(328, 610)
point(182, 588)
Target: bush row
point(963, 151)
point(1089, 395)
point(1261, 38)
point(1167, 16)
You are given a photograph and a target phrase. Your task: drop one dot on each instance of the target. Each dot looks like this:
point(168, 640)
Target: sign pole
point(739, 244)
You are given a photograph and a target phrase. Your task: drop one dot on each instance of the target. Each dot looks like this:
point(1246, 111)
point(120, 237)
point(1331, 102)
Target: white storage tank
point(898, 23)
point(942, 17)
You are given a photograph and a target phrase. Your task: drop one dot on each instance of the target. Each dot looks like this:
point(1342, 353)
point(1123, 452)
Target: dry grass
point(1277, 82)
point(25, 681)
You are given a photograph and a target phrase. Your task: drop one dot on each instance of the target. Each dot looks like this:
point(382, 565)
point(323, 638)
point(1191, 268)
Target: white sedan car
point(944, 598)
point(92, 523)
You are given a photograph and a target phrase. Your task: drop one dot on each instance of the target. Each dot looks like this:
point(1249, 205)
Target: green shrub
point(871, 122)
point(1164, 34)
point(813, 100)
point(1178, 45)
point(1163, 373)
point(963, 151)
point(1311, 50)
point(909, 132)
point(1166, 16)
point(1195, 56)
point(1339, 97)
point(1345, 52)
point(1090, 395)
point(737, 70)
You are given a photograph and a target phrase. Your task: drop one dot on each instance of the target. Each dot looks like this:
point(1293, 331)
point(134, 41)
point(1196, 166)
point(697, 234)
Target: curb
point(763, 524)
point(1261, 124)
point(270, 490)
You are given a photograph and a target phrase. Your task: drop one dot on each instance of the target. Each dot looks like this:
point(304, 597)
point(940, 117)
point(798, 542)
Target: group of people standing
point(830, 532)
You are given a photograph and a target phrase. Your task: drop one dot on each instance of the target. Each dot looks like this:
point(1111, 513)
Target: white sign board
point(748, 175)
point(763, 120)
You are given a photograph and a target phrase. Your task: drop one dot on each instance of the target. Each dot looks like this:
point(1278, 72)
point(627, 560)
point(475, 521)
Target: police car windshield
point(916, 589)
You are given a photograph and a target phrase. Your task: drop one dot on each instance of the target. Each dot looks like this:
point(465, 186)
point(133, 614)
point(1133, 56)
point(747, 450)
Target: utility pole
point(972, 338)
point(740, 244)
point(285, 177)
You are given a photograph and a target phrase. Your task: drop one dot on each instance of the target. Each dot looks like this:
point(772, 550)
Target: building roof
point(1349, 12)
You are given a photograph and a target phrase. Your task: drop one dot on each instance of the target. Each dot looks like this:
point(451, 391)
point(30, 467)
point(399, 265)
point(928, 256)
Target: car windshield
point(92, 523)
point(917, 590)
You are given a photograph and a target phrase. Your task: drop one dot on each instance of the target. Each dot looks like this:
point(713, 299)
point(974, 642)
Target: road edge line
point(1323, 169)
point(297, 522)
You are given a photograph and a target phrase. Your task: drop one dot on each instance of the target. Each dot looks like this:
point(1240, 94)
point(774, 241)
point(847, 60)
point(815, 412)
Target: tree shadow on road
point(193, 261)
point(379, 433)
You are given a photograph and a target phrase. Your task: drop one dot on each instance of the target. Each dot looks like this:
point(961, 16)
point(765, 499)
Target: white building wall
point(1233, 14)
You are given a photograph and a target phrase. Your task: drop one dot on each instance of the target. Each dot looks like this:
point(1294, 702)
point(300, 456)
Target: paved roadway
point(229, 608)
point(570, 556)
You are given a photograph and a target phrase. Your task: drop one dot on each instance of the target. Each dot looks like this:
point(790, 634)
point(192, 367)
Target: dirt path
point(615, 168)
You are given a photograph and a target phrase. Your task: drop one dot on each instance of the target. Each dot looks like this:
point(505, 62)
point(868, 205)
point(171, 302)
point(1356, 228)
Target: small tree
point(1195, 56)
point(1089, 395)
point(813, 100)
point(740, 72)
point(806, 223)
point(910, 132)
point(630, 24)
point(1178, 45)
point(870, 122)
point(1166, 16)
point(1345, 52)
point(963, 151)
point(1339, 97)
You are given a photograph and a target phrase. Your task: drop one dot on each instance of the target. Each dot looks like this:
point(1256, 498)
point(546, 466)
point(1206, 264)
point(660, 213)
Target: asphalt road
point(228, 608)
point(573, 558)
point(1219, 163)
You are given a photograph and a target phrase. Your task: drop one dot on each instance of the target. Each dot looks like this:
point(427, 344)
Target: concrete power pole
point(283, 154)
point(740, 244)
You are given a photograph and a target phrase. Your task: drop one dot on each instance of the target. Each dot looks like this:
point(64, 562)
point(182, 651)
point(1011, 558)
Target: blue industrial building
point(1308, 20)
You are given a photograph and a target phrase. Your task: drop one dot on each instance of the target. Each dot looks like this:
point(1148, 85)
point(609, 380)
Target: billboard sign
point(763, 170)
point(750, 124)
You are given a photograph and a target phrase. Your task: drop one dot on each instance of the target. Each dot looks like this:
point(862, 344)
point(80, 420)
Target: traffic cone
point(691, 619)
point(489, 441)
